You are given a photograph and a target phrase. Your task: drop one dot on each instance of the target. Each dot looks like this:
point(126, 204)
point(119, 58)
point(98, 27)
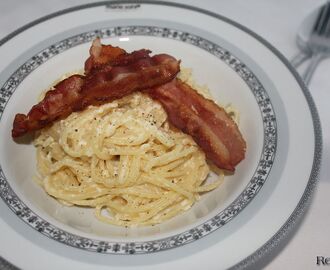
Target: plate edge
point(313, 179)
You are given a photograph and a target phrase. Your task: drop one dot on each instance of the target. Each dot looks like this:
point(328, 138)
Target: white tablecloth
point(277, 22)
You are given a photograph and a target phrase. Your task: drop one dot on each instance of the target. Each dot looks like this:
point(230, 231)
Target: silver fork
point(319, 42)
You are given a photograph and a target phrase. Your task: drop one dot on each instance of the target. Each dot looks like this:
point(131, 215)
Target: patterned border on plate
point(261, 173)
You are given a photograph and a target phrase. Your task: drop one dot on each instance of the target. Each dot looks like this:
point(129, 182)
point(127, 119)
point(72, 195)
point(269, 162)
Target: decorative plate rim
point(273, 242)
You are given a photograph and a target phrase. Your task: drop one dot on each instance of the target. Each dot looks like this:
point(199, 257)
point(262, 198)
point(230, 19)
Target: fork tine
point(326, 19)
point(327, 30)
point(320, 19)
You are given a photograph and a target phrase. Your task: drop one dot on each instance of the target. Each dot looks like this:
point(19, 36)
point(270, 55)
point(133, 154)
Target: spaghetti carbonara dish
point(124, 160)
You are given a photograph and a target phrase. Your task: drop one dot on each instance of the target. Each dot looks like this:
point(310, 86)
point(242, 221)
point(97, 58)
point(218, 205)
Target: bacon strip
point(209, 125)
point(111, 73)
point(129, 73)
point(56, 104)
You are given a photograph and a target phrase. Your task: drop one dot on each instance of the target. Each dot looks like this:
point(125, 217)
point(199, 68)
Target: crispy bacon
point(101, 55)
point(56, 104)
point(130, 72)
point(209, 125)
point(111, 73)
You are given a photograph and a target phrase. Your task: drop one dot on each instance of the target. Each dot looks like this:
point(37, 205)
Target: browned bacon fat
point(128, 73)
point(101, 55)
point(209, 125)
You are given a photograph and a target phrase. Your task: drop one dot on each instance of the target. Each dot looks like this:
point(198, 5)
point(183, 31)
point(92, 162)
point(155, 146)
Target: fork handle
point(300, 58)
point(308, 74)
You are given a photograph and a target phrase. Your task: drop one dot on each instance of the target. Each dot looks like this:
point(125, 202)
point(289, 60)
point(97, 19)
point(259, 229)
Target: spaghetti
point(124, 160)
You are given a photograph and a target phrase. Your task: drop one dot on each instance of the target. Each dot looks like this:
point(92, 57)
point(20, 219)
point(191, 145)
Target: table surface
point(277, 22)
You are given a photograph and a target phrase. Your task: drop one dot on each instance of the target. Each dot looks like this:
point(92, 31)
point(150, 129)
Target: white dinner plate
point(232, 226)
